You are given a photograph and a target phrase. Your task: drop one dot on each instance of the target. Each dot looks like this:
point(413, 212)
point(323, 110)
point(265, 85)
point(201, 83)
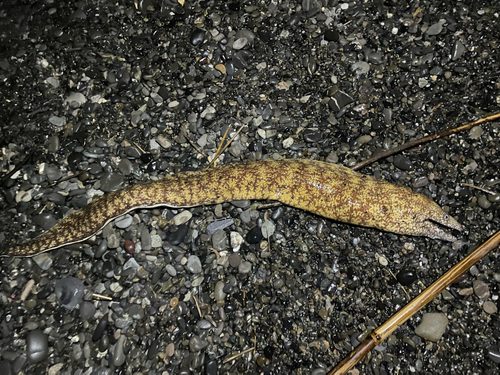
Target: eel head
point(431, 221)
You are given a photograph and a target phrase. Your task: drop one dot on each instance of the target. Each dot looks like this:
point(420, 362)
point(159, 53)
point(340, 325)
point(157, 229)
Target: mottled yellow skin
point(325, 189)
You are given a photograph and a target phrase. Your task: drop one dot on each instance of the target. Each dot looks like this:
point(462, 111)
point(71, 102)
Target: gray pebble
point(420, 182)
point(124, 221)
point(52, 172)
point(432, 327)
point(240, 43)
point(204, 324)
point(112, 182)
point(75, 99)
point(435, 29)
point(196, 343)
point(44, 261)
point(123, 322)
point(125, 166)
point(131, 263)
point(53, 144)
point(182, 217)
point(458, 50)
point(219, 240)
point(234, 260)
point(57, 121)
point(136, 312)
point(87, 310)
point(490, 307)
point(193, 264)
point(268, 229)
point(494, 355)
point(197, 37)
point(483, 202)
point(69, 291)
point(118, 354)
point(245, 267)
point(481, 289)
point(476, 132)
point(241, 204)
point(37, 347)
point(171, 270)
point(219, 291)
point(146, 242)
point(403, 163)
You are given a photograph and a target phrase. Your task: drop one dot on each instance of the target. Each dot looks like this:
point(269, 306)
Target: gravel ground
point(97, 95)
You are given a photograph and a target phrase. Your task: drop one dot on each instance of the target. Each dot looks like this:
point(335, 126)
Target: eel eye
point(445, 217)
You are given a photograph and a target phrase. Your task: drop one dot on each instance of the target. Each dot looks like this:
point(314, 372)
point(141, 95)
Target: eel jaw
point(431, 230)
point(433, 227)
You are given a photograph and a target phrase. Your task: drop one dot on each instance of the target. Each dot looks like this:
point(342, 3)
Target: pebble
point(196, 343)
point(234, 260)
point(432, 327)
point(125, 167)
point(197, 37)
point(435, 29)
point(219, 240)
point(254, 235)
point(124, 221)
point(57, 121)
point(75, 99)
point(483, 202)
point(69, 292)
point(193, 264)
point(37, 347)
point(171, 270)
point(100, 328)
point(490, 307)
point(219, 225)
point(156, 240)
point(45, 221)
point(146, 242)
point(245, 267)
point(457, 51)
point(182, 217)
point(53, 144)
point(119, 356)
point(240, 43)
point(236, 240)
point(406, 277)
point(494, 355)
point(402, 162)
point(219, 294)
point(43, 260)
point(476, 132)
point(175, 238)
point(481, 289)
point(112, 182)
point(87, 310)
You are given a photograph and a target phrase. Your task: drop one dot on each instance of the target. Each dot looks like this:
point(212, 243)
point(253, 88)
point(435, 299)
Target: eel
point(325, 189)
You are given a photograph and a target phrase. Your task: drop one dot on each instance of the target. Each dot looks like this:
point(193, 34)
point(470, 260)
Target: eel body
point(325, 189)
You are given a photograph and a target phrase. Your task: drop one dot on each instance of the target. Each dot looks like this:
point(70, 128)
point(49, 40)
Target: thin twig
point(221, 150)
point(27, 289)
point(382, 332)
point(479, 188)
point(101, 296)
point(218, 152)
point(200, 151)
point(429, 138)
point(197, 306)
point(238, 355)
point(139, 147)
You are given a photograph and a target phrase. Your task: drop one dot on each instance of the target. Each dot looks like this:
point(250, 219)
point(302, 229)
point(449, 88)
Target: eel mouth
point(438, 229)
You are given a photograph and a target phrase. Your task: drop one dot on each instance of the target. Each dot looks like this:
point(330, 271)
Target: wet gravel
point(96, 96)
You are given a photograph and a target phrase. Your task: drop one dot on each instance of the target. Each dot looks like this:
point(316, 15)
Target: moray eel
point(325, 189)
